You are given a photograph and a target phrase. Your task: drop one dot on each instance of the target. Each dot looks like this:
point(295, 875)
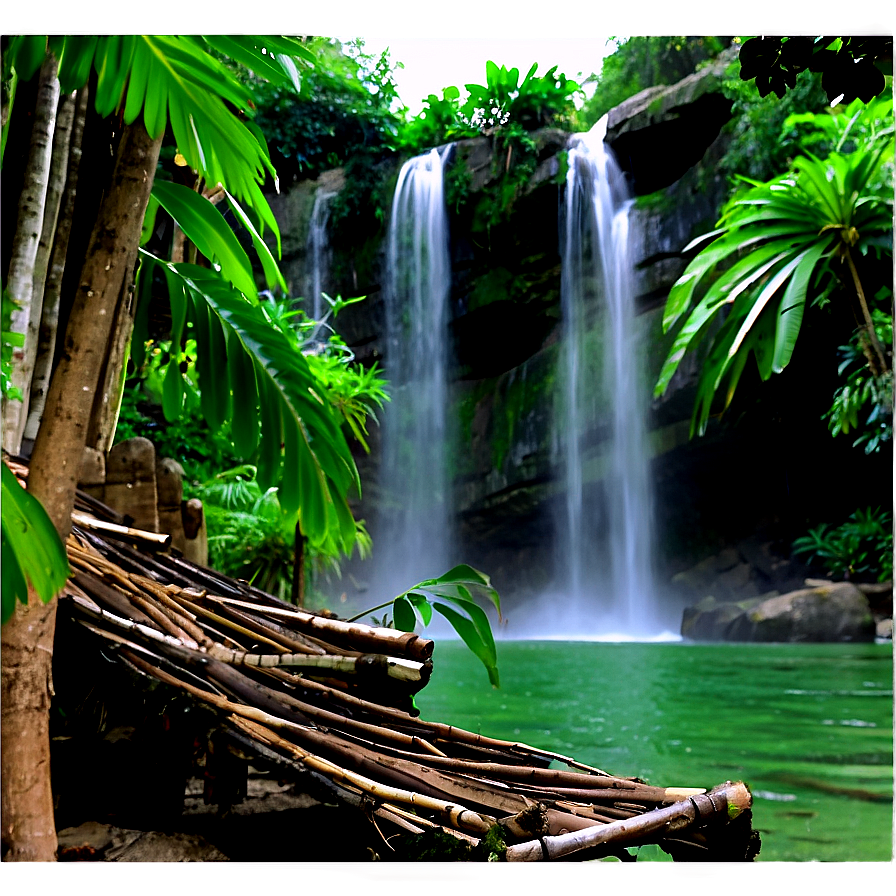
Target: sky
point(431, 64)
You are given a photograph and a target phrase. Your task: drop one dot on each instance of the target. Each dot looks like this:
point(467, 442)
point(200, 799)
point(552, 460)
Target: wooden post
point(170, 490)
point(131, 482)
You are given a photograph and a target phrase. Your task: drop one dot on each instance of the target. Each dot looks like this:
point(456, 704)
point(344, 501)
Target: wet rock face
point(683, 119)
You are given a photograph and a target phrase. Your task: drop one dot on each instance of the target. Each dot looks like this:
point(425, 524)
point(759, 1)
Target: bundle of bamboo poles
point(308, 694)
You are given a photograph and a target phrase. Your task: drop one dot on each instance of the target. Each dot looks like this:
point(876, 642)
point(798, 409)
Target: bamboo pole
point(335, 721)
point(459, 817)
point(156, 539)
point(406, 643)
point(725, 802)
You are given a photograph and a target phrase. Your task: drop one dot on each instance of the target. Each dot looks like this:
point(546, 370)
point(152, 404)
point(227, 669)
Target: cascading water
point(317, 252)
point(605, 544)
point(412, 540)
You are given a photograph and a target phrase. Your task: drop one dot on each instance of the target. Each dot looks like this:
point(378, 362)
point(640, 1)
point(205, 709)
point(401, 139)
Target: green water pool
point(809, 727)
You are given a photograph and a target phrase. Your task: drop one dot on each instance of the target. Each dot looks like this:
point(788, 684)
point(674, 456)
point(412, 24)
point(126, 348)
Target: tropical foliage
point(176, 81)
point(531, 103)
point(863, 405)
point(850, 67)
point(345, 106)
point(787, 242)
point(860, 548)
point(451, 595)
point(765, 133)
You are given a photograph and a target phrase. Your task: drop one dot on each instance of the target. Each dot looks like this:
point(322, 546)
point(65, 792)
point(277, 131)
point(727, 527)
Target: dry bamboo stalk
point(342, 723)
point(162, 615)
point(128, 624)
point(291, 637)
point(290, 644)
point(86, 565)
point(400, 642)
point(184, 618)
point(614, 787)
point(123, 555)
point(643, 793)
point(457, 816)
point(726, 801)
point(107, 596)
point(160, 539)
point(395, 667)
point(424, 823)
point(233, 626)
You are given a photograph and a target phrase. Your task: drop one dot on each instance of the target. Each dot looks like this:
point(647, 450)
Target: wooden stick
point(459, 817)
point(401, 643)
point(158, 539)
point(252, 720)
point(724, 802)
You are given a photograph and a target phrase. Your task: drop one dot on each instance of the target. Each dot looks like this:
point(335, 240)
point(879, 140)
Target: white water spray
point(606, 538)
point(413, 537)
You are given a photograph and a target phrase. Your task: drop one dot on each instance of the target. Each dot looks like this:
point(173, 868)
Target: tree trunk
point(49, 321)
point(871, 347)
point(28, 829)
point(105, 281)
point(106, 276)
point(26, 241)
point(55, 187)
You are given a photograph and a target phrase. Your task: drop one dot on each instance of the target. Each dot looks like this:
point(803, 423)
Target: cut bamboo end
point(160, 539)
point(674, 794)
point(737, 796)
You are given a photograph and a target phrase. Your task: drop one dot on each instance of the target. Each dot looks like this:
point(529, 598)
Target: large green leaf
point(471, 635)
point(780, 236)
point(450, 595)
point(790, 314)
point(271, 270)
point(204, 225)
point(24, 55)
point(32, 548)
point(300, 444)
point(174, 79)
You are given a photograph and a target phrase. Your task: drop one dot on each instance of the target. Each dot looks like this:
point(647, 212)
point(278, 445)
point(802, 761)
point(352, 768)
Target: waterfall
point(413, 537)
point(317, 250)
point(605, 544)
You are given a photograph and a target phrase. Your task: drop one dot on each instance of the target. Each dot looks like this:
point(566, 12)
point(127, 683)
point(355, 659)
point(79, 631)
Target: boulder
point(710, 619)
point(825, 612)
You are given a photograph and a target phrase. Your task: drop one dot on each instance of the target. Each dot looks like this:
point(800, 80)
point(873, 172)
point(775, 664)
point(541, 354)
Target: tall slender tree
point(145, 84)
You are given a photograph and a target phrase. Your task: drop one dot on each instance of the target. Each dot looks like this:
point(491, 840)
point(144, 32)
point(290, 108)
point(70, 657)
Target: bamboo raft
point(328, 705)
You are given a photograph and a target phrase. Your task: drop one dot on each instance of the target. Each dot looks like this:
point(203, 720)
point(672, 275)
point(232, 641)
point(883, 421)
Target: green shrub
point(861, 548)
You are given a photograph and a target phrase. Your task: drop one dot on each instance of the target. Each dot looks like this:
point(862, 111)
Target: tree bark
point(55, 188)
point(25, 244)
point(28, 829)
point(49, 320)
point(27, 638)
point(105, 281)
point(877, 361)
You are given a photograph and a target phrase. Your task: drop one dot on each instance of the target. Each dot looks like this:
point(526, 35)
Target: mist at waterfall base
point(413, 531)
point(604, 582)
